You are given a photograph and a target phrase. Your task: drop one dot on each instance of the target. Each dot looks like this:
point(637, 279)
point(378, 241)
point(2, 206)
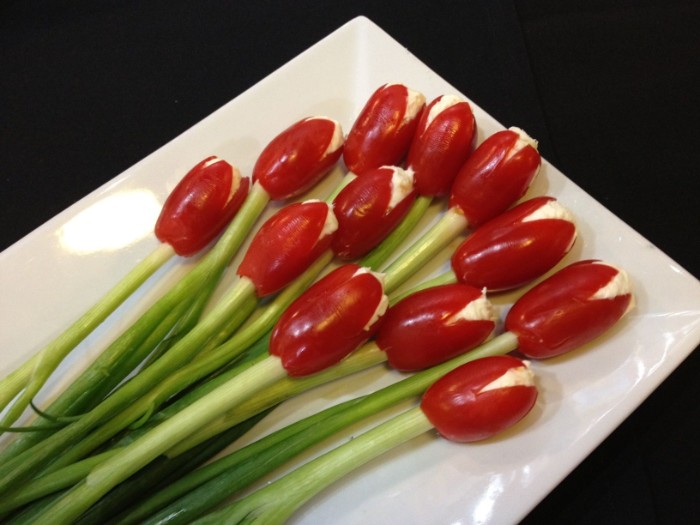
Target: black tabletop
point(611, 89)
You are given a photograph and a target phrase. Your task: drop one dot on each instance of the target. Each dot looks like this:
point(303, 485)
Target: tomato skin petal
point(494, 177)
point(505, 252)
point(363, 213)
point(420, 331)
point(285, 246)
point(297, 158)
point(328, 321)
point(460, 412)
point(561, 314)
point(201, 205)
point(381, 135)
point(440, 147)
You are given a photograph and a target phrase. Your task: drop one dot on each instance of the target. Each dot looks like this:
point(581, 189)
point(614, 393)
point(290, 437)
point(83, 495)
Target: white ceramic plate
point(584, 395)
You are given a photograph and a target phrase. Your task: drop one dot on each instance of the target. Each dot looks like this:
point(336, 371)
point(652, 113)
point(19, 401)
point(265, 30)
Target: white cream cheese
point(550, 210)
point(331, 224)
point(445, 102)
point(479, 309)
point(414, 103)
point(618, 285)
point(518, 376)
point(383, 303)
point(337, 140)
point(401, 185)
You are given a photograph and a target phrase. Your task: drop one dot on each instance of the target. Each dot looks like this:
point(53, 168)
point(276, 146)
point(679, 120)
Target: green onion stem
point(276, 502)
point(448, 277)
point(443, 232)
point(30, 377)
point(199, 368)
point(61, 479)
point(148, 447)
point(208, 487)
point(22, 465)
point(362, 359)
point(381, 253)
point(161, 473)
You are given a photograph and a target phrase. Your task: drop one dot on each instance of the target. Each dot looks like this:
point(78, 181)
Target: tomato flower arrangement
point(197, 210)
point(442, 332)
point(492, 179)
point(199, 493)
point(443, 140)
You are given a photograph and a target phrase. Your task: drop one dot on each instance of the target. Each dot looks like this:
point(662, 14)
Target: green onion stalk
point(24, 383)
point(225, 397)
point(205, 488)
point(212, 264)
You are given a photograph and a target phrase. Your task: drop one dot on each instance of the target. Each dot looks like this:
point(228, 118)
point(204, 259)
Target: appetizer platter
point(583, 394)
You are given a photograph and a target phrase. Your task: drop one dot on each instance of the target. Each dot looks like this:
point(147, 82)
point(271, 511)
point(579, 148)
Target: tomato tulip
point(298, 157)
point(369, 208)
point(570, 308)
point(287, 244)
point(201, 205)
point(516, 247)
point(328, 321)
point(434, 325)
point(382, 133)
point(443, 140)
point(495, 176)
point(480, 398)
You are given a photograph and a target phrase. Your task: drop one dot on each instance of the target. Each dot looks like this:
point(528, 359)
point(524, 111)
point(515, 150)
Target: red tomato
point(443, 141)
point(495, 176)
point(298, 157)
point(365, 212)
point(201, 205)
point(383, 131)
point(563, 312)
point(509, 251)
point(287, 244)
point(328, 321)
point(425, 328)
point(463, 407)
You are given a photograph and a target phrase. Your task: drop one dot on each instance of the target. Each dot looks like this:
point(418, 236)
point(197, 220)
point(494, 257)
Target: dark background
point(609, 88)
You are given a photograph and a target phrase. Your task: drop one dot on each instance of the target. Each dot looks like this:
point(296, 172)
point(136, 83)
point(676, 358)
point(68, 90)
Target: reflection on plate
point(584, 395)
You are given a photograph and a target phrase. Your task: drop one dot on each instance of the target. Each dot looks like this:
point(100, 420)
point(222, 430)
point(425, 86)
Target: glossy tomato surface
point(508, 251)
point(299, 157)
point(461, 410)
point(494, 177)
point(201, 205)
point(442, 143)
point(328, 321)
point(426, 328)
point(365, 211)
point(285, 246)
point(382, 132)
point(562, 312)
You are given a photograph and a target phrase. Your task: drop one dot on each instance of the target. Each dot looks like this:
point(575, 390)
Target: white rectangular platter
point(52, 275)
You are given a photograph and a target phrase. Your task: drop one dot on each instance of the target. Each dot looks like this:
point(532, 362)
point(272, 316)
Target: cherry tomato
point(466, 405)
point(569, 309)
point(298, 157)
point(434, 325)
point(444, 139)
point(287, 244)
point(515, 247)
point(201, 205)
point(382, 133)
point(366, 210)
point(328, 321)
point(495, 176)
